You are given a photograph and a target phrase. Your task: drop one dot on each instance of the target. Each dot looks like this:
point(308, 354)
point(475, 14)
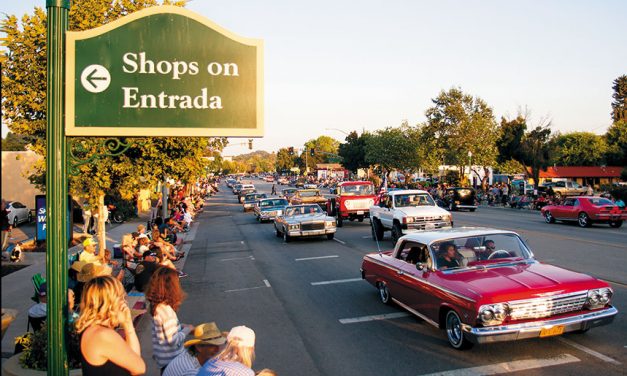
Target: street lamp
point(336, 129)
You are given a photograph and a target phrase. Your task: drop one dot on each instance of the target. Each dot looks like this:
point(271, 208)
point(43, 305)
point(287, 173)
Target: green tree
point(616, 140)
point(395, 149)
point(353, 151)
point(579, 149)
point(14, 142)
point(460, 125)
point(510, 139)
point(535, 151)
point(619, 105)
point(324, 147)
point(284, 161)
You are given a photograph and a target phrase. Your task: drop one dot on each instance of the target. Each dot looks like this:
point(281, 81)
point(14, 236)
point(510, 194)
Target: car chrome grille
point(359, 204)
point(312, 226)
point(546, 307)
point(423, 225)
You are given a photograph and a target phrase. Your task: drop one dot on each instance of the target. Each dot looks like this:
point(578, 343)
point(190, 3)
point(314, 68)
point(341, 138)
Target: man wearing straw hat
point(206, 343)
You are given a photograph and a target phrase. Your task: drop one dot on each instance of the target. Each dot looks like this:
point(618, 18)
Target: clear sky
point(364, 64)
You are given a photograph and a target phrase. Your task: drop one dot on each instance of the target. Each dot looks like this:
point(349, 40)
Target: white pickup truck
point(407, 211)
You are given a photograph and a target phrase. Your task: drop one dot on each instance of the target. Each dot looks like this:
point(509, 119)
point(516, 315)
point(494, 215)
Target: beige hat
point(207, 333)
point(78, 265)
point(91, 270)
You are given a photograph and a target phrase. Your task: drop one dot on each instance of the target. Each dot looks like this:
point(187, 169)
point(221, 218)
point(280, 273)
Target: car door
point(387, 215)
point(569, 210)
point(413, 287)
point(21, 212)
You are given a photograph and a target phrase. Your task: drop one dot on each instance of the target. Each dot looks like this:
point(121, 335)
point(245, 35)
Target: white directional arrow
point(95, 78)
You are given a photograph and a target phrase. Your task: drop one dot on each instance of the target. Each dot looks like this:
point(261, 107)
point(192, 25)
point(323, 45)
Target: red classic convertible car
point(483, 285)
point(586, 210)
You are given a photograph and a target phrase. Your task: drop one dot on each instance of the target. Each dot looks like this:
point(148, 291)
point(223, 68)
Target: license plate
point(552, 331)
point(360, 212)
point(429, 226)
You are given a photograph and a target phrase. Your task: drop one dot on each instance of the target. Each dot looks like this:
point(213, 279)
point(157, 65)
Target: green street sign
point(163, 71)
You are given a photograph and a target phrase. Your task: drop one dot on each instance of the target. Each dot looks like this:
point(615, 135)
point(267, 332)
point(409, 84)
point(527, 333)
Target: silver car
point(18, 213)
point(304, 220)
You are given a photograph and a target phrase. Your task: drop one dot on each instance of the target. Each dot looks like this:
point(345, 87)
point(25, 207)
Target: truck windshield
point(413, 199)
point(357, 190)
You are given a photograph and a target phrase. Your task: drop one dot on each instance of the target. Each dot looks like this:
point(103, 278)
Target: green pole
point(56, 188)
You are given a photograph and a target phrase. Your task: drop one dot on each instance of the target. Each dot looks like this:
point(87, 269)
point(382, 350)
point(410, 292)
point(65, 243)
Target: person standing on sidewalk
point(6, 228)
point(165, 296)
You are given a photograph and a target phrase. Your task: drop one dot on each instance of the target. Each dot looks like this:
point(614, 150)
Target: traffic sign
point(163, 71)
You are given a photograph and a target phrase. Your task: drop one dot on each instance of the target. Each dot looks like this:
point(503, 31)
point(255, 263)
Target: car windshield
point(277, 202)
point(302, 209)
point(465, 252)
point(288, 191)
point(309, 193)
point(357, 190)
point(413, 199)
point(255, 196)
point(599, 201)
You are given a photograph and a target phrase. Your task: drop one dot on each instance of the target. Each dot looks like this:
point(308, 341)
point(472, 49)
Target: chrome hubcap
point(453, 329)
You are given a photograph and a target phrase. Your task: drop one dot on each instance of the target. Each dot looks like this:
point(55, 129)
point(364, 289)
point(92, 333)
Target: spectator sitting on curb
point(141, 229)
point(237, 358)
point(89, 252)
point(167, 248)
point(145, 270)
point(206, 343)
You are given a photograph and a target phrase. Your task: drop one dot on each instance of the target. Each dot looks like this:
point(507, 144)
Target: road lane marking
point(315, 258)
point(588, 351)
point(507, 367)
point(239, 258)
point(339, 241)
point(335, 281)
point(385, 316)
point(366, 237)
point(266, 284)
point(265, 281)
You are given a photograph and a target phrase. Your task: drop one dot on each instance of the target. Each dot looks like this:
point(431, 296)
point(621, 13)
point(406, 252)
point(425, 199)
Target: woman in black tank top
point(104, 351)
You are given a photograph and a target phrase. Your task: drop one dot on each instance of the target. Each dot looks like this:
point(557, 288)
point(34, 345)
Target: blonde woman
point(103, 350)
point(237, 357)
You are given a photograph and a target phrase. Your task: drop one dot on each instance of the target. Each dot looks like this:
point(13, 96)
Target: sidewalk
point(17, 287)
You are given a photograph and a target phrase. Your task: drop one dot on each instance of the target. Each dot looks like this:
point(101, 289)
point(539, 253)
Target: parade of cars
point(351, 201)
point(269, 208)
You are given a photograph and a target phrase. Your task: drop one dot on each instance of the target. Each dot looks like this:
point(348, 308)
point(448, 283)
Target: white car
point(18, 213)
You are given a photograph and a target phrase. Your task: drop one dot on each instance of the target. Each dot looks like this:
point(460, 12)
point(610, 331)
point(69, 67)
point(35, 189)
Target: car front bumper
point(265, 216)
point(330, 230)
point(532, 329)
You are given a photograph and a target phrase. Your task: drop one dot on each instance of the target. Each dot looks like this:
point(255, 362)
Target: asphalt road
point(298, 297)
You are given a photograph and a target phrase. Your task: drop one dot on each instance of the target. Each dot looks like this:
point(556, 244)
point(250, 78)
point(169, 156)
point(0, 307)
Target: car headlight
point(493, 314)
point(329, 224)
point(295, 227)
point(598, 298)
point(447, 218)
point(409, 219)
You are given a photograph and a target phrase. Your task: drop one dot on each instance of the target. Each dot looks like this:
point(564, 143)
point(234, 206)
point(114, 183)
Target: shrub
point(35, 349)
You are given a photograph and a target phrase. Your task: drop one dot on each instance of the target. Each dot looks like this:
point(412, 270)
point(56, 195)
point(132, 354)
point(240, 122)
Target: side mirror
point(420, 266)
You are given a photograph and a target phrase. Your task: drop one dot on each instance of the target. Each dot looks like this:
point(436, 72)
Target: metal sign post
point(56, 188)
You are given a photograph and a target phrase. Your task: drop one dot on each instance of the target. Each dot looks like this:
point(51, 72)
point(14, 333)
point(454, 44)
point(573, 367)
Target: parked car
point(304, 220)
point(250, 199)
point(483, 285)
point(310, 186)
point(586, 210)
point(563, 188)
point(405, 211)
point(460, 198)
point(269, 208)
point(18, 213)
point(269, 178)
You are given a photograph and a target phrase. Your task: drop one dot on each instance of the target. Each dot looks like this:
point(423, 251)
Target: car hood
point(515, 281)
point(417, 211)
point(308, 218)
point(272, 208)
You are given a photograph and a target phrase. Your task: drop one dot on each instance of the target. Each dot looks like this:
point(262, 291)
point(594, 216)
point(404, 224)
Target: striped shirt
point(185, 364)
point(215, 367)
point(167, 335)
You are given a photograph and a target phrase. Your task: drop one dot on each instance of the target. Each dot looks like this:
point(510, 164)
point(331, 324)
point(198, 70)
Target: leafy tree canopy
point(616, 140)
point(394, 148)
point(353, 151)
point(14, 142)
point(619, 105)
point(579, 149)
